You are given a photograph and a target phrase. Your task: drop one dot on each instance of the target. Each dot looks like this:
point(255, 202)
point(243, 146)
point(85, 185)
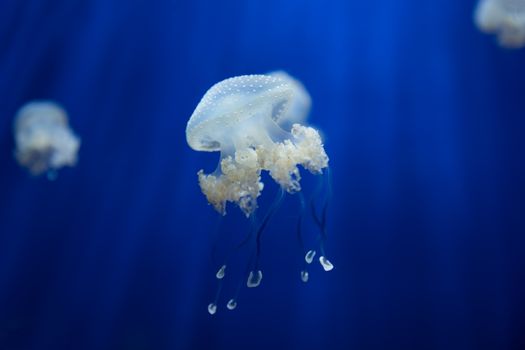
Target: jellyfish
point(505, 18)
point(44, 141)
point(256, 122)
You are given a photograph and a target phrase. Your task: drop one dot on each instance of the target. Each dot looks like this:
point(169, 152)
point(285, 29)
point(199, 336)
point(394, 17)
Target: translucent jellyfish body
point(246, 118)
point(43, 138)
point(256, 122)
point(505, 18)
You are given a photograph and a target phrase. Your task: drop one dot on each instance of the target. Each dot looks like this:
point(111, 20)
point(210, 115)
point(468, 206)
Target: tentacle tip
point(304, 276)
point(254, 279)
point(325, 263)
point(309, 257)
point(222, 271)
point(212, 308)
point(232, 304)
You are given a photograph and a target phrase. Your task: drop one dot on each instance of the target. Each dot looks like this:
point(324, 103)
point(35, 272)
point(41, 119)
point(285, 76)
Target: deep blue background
point(424, 120)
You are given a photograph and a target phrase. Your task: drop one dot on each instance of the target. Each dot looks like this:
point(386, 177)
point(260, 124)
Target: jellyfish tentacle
point(321, 223)
point(299, 227)
point(242, 243)
point(253, 222)
point(320, 220)
point(273, 208)
point(232, 302)
point(212, 307)
point(217, 234)
point(221, 272)
point(328, 198)
point(299, 231)
point(255, 275)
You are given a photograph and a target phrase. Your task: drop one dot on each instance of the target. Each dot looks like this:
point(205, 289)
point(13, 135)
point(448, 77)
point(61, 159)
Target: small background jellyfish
point(505, 18)
point(44, 140)
point(255, 121)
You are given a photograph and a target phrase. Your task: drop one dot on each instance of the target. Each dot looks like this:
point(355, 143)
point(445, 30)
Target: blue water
point(423, 118)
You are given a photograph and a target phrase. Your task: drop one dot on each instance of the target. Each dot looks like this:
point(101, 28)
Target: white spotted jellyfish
point(43, 139)
point(505, 18)
point(256, 123)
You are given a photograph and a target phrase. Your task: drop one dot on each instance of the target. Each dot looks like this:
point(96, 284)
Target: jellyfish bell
point(505, 18)
point(245, 118)
point(300, 104)
point(44, 141)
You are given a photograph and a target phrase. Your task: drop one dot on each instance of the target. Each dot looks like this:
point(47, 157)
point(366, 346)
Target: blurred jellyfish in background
point(256, 122)
point(505, 18)
point(44, 140)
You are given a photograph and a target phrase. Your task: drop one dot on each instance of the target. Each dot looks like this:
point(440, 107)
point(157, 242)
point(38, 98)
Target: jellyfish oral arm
point(304, 148)
point(238, 181)
point(240, 175)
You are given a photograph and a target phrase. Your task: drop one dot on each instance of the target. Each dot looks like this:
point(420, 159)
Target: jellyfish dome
point(505, 18)
point(43, 138)
point(255, 121)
